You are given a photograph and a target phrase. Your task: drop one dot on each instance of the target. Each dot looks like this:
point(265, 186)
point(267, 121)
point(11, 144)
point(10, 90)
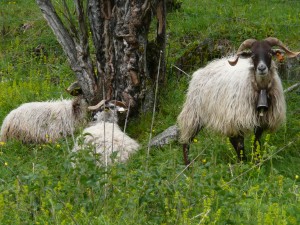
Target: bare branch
point(68, 16)
point(77, 53)
point(58, 29)
point(94, 16)
point(97, 29)
point(161, 14)
point(83, 31)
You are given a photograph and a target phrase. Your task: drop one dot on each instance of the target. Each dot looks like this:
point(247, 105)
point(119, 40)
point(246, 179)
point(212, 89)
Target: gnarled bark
point(119, 32)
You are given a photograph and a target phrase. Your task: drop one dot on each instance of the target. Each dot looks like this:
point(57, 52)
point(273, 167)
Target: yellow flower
point(58, 146)
point(2, 143)
point(296, 177)
point(203, 160)
point(195, 140)
point(5, 164)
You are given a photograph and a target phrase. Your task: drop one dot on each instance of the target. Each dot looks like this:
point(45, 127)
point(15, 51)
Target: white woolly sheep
point(41, 122)
point(106, 136)
point(235, 97)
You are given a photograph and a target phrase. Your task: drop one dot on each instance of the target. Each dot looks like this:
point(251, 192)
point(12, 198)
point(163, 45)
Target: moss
point(199, 53)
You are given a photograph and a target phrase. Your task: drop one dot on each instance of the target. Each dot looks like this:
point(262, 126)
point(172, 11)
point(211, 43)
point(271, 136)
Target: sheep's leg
point(186, 148)
point(238, 144)
point(258, 131)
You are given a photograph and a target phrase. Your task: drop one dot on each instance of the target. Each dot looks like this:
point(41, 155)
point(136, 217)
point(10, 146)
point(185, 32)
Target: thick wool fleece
point(40, 122)
point(106, 137)
point(223, 98)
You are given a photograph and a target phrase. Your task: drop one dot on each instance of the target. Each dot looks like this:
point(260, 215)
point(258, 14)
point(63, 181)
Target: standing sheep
point(105, 135)
point(41, 122)
point(235, 97)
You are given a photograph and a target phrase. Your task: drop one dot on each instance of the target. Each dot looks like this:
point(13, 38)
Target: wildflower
point(203, 160)
point(5, 164)
point(195, 140)
point(58, 146)
point(2, 143)
point(296, 177)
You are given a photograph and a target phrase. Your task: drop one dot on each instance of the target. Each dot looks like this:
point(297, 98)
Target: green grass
point(38, 184)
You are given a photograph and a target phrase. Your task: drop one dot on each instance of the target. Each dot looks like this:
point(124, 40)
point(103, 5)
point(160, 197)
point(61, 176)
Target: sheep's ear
point(74, 89)
point(276, 42)
point(246, 54)
point(279, 54)
point(121, 109)
point(118, 109)
point(119, 106)
point(277, 50)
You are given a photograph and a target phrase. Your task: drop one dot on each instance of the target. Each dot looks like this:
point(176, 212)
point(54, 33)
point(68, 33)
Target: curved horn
point(98, 106)
point(276, 42)
point(245, 45)
point(118, 103)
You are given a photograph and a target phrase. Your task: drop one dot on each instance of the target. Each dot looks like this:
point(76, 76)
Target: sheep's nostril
point(261, 67)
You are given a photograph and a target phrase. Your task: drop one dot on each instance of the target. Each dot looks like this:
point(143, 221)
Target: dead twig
point(154, 106)
point(293, 87)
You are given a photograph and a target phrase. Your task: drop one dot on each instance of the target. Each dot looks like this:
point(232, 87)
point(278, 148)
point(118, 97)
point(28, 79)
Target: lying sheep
point(41, 122)
point(235, 97)
point(105, 136)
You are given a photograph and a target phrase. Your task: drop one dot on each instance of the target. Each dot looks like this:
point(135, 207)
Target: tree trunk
point(119, 33)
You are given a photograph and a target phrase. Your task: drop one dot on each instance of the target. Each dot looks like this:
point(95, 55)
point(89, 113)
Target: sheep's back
point(39, 121)
point(108, 138)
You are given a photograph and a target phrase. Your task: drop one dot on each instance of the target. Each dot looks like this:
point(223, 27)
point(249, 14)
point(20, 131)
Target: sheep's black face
point(261, 54)
point(262, 57)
